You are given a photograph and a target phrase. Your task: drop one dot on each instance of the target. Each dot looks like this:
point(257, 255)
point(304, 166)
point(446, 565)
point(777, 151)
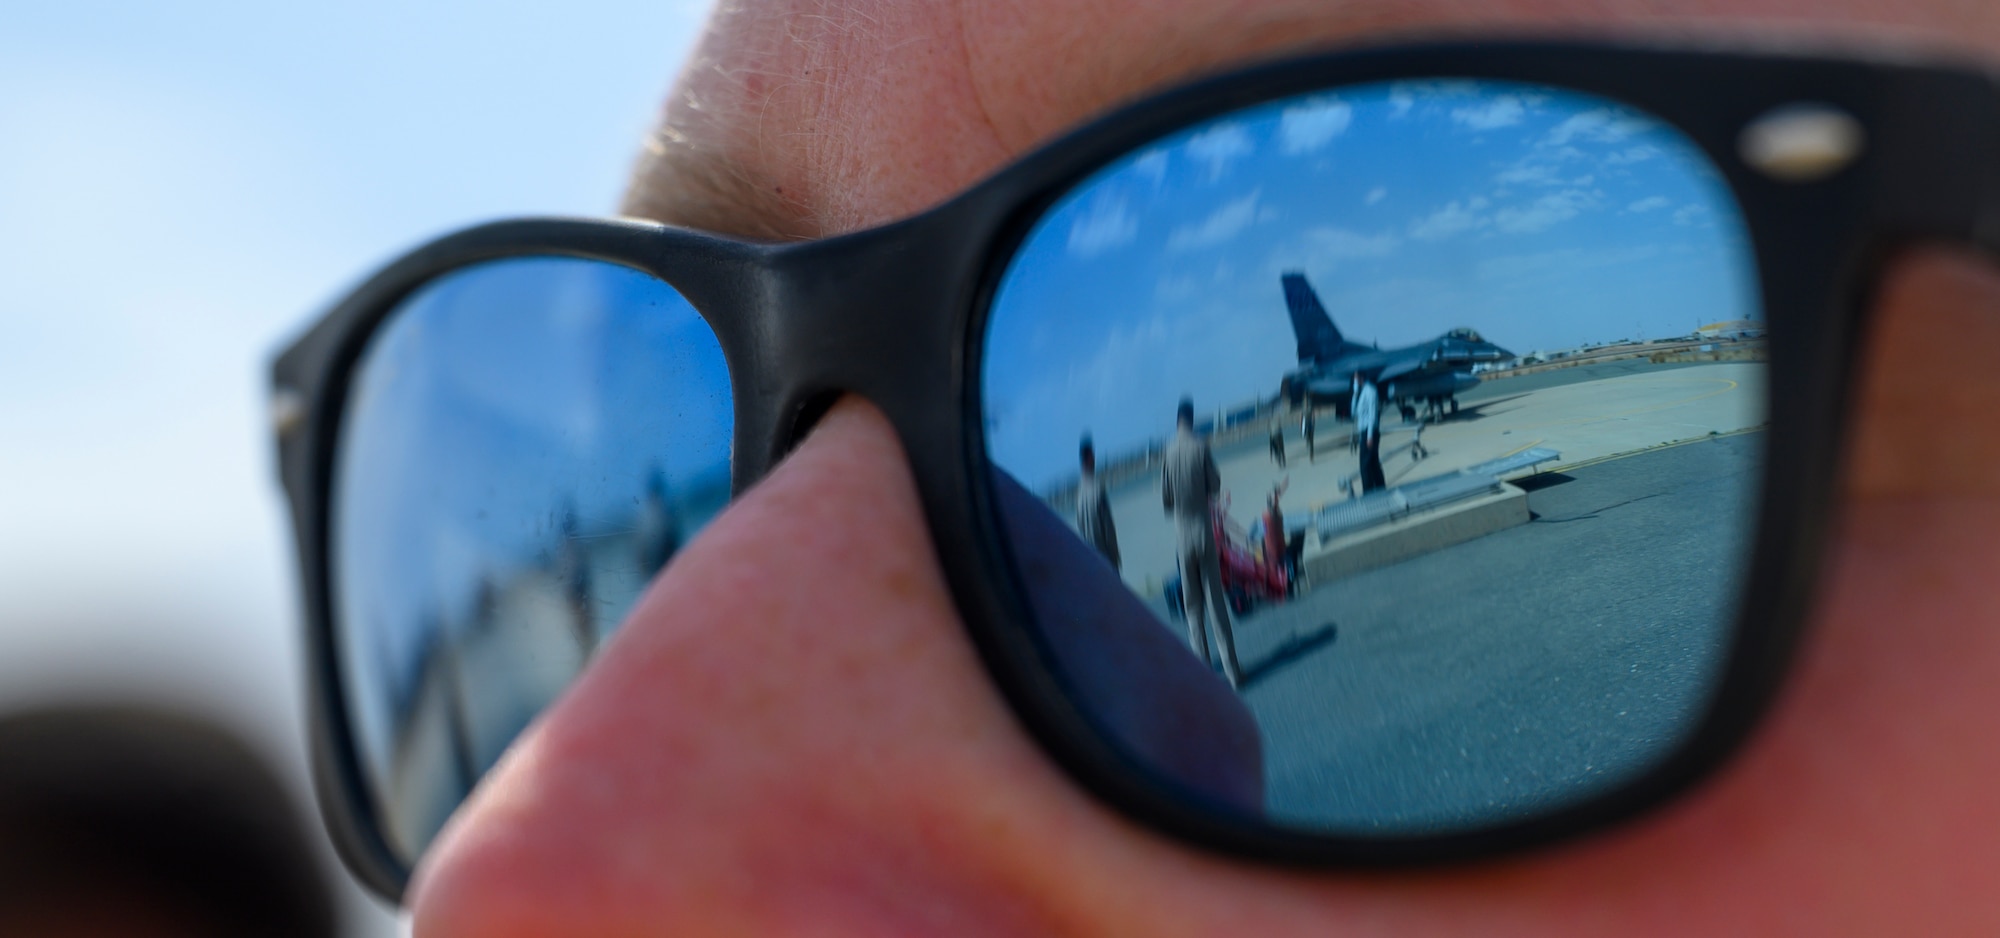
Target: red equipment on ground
point(1250, 576)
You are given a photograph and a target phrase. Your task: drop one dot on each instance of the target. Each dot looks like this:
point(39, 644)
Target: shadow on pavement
point(1294, 648)
point(1468, 412)
point(1546, 480)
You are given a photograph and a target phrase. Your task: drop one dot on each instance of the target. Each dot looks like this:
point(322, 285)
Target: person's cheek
point(790, 735)
point(1927, 382)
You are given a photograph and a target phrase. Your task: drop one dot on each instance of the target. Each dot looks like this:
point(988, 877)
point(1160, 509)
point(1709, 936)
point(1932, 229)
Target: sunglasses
point(1385, 457)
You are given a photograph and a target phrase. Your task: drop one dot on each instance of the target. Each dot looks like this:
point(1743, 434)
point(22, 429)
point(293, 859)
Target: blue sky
point(186, 185)
point(182, 186)
point(1541, 218)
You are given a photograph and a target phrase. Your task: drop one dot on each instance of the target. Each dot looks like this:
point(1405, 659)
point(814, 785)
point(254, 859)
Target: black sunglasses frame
point(896, 315)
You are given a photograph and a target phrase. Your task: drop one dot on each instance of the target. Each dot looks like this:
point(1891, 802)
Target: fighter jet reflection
point(1430, 373)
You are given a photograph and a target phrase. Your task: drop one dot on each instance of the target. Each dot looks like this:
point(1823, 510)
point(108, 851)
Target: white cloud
point(1649, 204)
point(1604, 125)
point(1690, 214)
point(1327, 246)
point(1630, 155)
point(1405, 96)
point(1503, 111)
point(1152, 165)
point(1218, 147)
point(1560, 263)
point(1341, 243)
point(1104, 225)
point(1179, 282)
point(1543, 213)
point(1545, 166)
point(1450, 220)
point(1309, 126)
point(1221, 225)
point(1375, 195)
point(1528, 174)
point(1401, 99)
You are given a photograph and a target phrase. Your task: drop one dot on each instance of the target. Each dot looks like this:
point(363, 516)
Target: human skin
point(792, 734)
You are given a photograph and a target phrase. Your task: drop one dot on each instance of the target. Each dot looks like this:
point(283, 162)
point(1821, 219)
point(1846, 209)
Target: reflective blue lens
point(1424, 419)
point(526, 443)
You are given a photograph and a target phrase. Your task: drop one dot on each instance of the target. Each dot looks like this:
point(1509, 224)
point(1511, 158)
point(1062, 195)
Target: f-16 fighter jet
point(1430, 373)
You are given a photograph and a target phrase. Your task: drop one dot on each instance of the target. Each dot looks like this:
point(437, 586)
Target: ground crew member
point(1306, 428)
point(1278, 433)
point(1093, 510)
point(1368, 428)
point(1189, 483)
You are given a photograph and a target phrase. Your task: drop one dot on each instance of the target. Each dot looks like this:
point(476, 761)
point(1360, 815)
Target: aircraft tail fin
point(1319, 339)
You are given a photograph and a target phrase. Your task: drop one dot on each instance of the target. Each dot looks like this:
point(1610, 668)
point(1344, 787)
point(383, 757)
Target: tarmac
point(1513, 671)
point(1586, 420)
point(1559, 635)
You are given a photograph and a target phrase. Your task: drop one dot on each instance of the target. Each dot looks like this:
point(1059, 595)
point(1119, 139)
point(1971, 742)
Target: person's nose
point(791, 734)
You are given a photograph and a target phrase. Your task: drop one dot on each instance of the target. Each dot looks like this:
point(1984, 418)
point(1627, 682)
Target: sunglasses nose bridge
point(877, 314)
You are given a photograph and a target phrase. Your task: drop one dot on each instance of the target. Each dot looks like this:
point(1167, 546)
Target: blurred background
point(185, 185)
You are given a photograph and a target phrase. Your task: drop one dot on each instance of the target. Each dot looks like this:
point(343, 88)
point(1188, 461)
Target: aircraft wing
point(1330, 384)
point(1405, 363)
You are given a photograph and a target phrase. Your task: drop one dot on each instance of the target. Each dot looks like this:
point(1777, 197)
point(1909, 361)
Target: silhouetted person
point(658, 531)
point(572, 573)
point(1278, 435)
point(485, 608)
point(1368, 433)
point(122, 822)
point(1189, 484)
point(1093, 510)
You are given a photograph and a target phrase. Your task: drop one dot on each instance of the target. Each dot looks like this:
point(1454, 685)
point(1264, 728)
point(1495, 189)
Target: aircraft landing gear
point(1438, 409)
point(1433, 409)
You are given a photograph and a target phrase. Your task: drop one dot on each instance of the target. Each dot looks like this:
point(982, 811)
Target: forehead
point(800, 119)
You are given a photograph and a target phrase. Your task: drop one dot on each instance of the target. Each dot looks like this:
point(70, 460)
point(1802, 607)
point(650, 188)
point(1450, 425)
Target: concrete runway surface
point(1525, 667)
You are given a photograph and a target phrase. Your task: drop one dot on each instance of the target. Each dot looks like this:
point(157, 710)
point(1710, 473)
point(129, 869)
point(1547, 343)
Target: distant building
point(1732, 329)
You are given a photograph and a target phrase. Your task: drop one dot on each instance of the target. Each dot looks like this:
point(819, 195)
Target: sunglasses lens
point(1428, 415)
point(526, 442)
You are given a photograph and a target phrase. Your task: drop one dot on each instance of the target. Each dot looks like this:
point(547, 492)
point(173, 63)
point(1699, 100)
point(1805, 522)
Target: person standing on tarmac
point(1093, 510)
point(1368, 431)
point(1306, 429)
point(1189, 484)
point(1278, 433)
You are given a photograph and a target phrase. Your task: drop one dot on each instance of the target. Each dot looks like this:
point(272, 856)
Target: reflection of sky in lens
point(1542, 219)
point(493, 401)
